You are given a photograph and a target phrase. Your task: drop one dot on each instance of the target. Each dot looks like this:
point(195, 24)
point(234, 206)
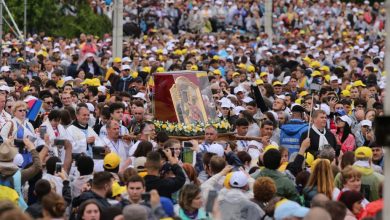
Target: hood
point(294, 128)
point(363, 167)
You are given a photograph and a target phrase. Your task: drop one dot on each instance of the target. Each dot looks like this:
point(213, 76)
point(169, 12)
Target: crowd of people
point(302, 105)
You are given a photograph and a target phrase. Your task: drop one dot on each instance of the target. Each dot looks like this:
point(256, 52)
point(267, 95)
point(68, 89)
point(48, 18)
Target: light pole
point(117, 32)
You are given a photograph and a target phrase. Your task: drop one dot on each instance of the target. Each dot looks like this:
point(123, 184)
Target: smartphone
point(59, 142)
point(98, 152)
point(172, 151)
point(59, 167)
point(146, 197)
point(210, 200)
point(315, 87)
point(187, 144)
point(187, 155)
point(32, 138)
point(19, 143)
point(42, 131)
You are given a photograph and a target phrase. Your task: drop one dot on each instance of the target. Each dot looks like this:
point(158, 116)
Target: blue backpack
point(11, 189)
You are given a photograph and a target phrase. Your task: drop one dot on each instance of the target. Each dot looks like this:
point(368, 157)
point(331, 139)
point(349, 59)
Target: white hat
point(5, 69)
point(238, 89)
point(346, 119)
point(88, 55)
point(226, 103)
point(283, 97)
point(332, 78)
point(238, 179)
point(125, 67)
point(366, 123)
point(247, 99)
point(286, 80)
point(67, 47)
point(238, 109)
point(56, 50)
point(102, 89)
point(325, 108)
point(91, 108)
point(126, 59)
point(18, 160)
point(67, 78)
point(5, 88)
point(140, 95)
point(217, 149)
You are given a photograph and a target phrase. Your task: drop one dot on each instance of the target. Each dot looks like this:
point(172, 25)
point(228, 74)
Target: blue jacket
point(290, 134)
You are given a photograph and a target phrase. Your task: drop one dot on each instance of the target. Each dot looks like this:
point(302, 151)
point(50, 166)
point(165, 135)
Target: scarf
point(323, 141)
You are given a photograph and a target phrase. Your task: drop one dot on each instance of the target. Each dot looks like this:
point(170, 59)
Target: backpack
point(11, 189)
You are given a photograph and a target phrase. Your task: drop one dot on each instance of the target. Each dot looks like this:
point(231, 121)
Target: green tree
point(46, 16)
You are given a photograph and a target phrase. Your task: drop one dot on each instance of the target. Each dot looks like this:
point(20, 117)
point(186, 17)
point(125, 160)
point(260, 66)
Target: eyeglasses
point(49, 103)
point(22, 110)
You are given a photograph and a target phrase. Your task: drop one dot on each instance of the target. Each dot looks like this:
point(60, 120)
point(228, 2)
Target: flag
point(34, 106)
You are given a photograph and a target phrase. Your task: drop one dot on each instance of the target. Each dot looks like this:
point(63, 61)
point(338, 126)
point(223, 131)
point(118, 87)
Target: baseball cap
point(217, 149)
point(358, 83)
point(125, 67)
point(5, 88)
point(140, 95)
point(236, 74)
point(346, 119)
point(5, 69)
point(117, 60)
point(276, 83)
point(247, 99)
point(111, 161)
point(286, 208)
point(117, 189)
point(366, 123)
point(139, 163)
point(259, 82)
point(297, 108)
point(238, 179)
point(263, 74)
point(238, 89)
point(363, 152)
point(346, 93)
point(126, 59)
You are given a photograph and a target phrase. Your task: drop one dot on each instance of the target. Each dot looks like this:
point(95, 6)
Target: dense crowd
point(302, 105)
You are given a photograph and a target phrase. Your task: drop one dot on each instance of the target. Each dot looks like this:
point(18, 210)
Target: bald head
point(317, 213)
point(319, 200)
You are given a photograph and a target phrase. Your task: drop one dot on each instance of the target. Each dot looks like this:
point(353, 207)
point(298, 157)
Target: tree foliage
point(47, 16)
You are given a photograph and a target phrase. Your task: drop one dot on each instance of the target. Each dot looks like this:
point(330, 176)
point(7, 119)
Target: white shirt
point(119, 147)
point(79, 139)
point(103, 131)
point(4, 117)
point(134, 147)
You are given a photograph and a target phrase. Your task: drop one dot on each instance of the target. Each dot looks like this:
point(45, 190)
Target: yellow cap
point(236, 74)
point(111, 161)
point(327, 77)
point(263, 74)
point(194, 67)
point(309, 159)
point(277, 83)
point(226, 182)
point(184, 51)
point(324, 68)
point(217, 72)
point(315, 64)
point(316, 73)
point(160, 69)
point(159, 51)
point(358, 83)
point(117, 189)
point(303, 93)
point(134, 74)
point(146, 69)
point(26, 88)
point(215, 57)
point(269, 147)
point(307, 59)
point(117, 60)
point(298, 101)
point(348, 87)
point(346, 93)
point(259, 82)
point(250, 69)
point(241, 66)
point(363, 152)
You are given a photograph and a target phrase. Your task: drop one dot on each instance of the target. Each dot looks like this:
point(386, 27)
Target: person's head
point(264, 189)
point(51, 165)
point(327, 153)
point(351, 178)
point(42, 188)
point(322, 177)
point(89, 210)
point(173, 145)
point(278, 105)
point(267, 128)
point(319, 119)
point(54, 118)
point(148, 131)
point(66, 99)
point(102, 181)
point(377, 152)
point(190, 198)
point(113, 129)
point(144, 147)
point(319, 200)
point(116, 111)
point(139, 113)
point(84, 165)
point(135, 188)
point(48, 103)
point(336, 209)
point(82, 114)
point(3, 100)
point(53, 205)
point(217, 164)
point(210, 134)
point(318, 214)
point(352, 199)
point(242, 126)
point(135, 212)
point(271, 159)
point(153, 161)
point(19, 110)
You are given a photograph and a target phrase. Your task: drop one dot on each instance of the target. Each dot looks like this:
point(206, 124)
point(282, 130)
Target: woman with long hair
point(53, 206)
point(190, 201)
point(344, 134)
point(321, 180)
point(89, 210)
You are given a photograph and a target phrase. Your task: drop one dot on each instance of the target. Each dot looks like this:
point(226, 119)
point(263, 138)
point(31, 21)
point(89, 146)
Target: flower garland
point(194, 129)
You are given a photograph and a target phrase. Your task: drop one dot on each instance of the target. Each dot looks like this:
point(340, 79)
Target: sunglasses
point(22, 110)
point(49, 103)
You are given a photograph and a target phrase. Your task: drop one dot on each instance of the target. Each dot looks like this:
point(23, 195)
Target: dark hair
point(337, 210)
point(267, 122)
point(54, 204)
point(153, 160)
point(54, 115)
point(144, 147)
point(100, 179)
point(115, 106)
point(72, 112)
point(106, 112)
point(217, 164)
point(134, 179)
point(51, 164)
point(170, 142)
point(42, 187)
point(242, 122)
point(188, 193)
point(348, 158)
point(247, 116)
point(350, 197)
point(84, 165)
point(346, 132)
point(93, 90)
point(84, 205)
point(65, 116)
point(271, 159)
point(244, 156)
point(80, 106)
point(162, 137)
